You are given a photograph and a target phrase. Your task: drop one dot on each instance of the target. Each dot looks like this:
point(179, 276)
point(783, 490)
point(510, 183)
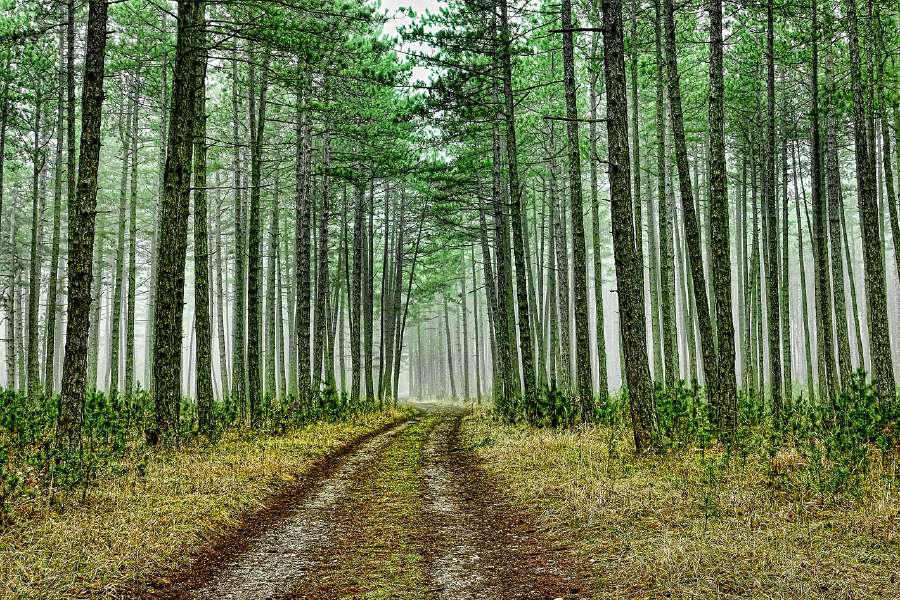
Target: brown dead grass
point(132, 526)
point(696, 524)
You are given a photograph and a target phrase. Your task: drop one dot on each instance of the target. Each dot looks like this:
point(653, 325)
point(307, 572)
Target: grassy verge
point(701, 523)
point(154, 508)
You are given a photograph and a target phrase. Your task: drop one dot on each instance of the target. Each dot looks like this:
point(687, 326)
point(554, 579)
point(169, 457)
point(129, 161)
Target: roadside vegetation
point(122, 510)
point(808, 511)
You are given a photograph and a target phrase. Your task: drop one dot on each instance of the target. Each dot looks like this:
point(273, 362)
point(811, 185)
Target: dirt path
point(406, 514)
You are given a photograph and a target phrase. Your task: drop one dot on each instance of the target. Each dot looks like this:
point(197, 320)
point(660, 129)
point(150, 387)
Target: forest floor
point(699, 522)
point(147, 509)
point(407, 514)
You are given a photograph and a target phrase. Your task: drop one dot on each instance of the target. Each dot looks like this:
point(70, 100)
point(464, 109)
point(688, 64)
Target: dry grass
point(134, 525)
point(698, 523)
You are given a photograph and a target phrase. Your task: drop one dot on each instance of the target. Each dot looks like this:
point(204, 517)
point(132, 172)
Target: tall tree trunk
point(692, 228)
point(97, 295)
point(271, 387)
point(238, 361)
point(174, 214)
point(802, 264)
point(726, 385)
point(505, 314)
point(81, 234)
point(785, 280)
point(203, 328)
point(876, 292)
point(254, 239)
point(34, 279)
point(450, 369)
point(53, 287)
point(369, 299)
point(320, 333)
point(576, 210)
point(515, 191)
point(628, 267)
point(119, 281)
point(132, 247)
point(154, 253)
point(476, 325)
point(304, 273)
point(602, 377)
point(4, 119)
point(771, 215)
point(359, 241)
point(664, 221)
point(220, 304)
point(820, 234)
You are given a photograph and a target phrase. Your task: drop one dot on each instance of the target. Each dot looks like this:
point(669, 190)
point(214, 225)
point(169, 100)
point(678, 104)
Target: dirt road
point(406, 514)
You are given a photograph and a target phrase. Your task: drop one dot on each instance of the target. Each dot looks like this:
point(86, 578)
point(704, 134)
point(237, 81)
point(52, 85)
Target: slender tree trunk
point(602, 377)
point(169, 291)
point(726, 385)
point(369, 298)
point(802, 264)
point(359, 241)
point(576, 210)
point(254, 259)
point(772, 283)
point(132, 248)
point(154, 253)
point(476, 326)
point(512, 152)
point(81, 234)
point(271, 387)
point(119, 281)
point(34, 279)
point(220, 304)
point(628, 267)
point(322, 269)
point(53, 287)
point(876, 291)
point(238, 361)
point(692, 228)
point(304, 273)
point(203, 328)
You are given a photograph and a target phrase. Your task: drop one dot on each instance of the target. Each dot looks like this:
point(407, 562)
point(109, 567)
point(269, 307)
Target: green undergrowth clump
point(121, 510)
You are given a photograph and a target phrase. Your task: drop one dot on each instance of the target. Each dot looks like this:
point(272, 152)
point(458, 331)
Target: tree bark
point(174, 214)
point(512, 154)
point(628, 268)
point(53, 287)
point(132, 247)
point(726, 384)
point(876, 291)
point(692, 228)
point(34, 279)
point(576, 210)
point(772, 269)
point(81, 235)
point(238, 361)
point(254, 238)
point(203, 327)
point(602, 376)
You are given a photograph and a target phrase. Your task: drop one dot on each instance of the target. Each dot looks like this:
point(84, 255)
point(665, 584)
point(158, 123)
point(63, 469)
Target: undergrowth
point(122, 508)
point(804, 510)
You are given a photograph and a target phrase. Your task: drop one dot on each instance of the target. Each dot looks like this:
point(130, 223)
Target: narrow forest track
point(408, 513)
